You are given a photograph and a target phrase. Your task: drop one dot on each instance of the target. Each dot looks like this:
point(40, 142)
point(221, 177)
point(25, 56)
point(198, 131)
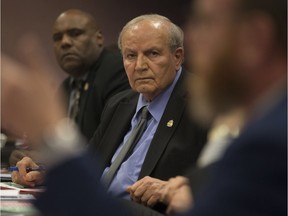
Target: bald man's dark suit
point(172, 149)
point(106, 78)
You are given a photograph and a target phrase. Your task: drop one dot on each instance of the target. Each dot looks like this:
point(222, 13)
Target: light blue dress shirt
point(130, 169)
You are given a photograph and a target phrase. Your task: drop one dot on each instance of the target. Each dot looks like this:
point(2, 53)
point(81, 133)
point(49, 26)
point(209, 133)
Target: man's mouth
point(69, 55)
point(143, 78)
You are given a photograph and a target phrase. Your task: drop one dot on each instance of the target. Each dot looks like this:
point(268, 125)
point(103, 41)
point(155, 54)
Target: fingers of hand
point(23, 164)
point(169, 210)
point(174, 206)
point(153, 199)
point(148, 191)
point(137, 192)
point(14, 177)
point(170, 188)
point(182, 200)
point(34, 177)
point(133, 187)
point(24, 178)
point(21, 179)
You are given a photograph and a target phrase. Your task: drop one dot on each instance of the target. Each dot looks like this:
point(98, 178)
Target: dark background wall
point(20, 17)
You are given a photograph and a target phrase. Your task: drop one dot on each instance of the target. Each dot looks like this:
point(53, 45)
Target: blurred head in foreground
point(238, 53)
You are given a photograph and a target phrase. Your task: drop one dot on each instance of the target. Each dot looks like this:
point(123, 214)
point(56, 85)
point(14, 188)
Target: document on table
point(13, 201)
point(20, 188)
point(14, 195)
point(5, 177)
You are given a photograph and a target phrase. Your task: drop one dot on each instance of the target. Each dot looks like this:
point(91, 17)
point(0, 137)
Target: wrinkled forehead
point(148, 30)
point(71, 21)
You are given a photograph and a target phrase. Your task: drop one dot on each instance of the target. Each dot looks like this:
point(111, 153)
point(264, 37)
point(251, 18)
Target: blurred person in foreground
point(239, 52)
point(19, 82)
point(239, 55)
point(95, 73)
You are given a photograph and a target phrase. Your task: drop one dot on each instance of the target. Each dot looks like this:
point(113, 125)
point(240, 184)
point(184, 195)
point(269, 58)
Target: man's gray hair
point(176, 35)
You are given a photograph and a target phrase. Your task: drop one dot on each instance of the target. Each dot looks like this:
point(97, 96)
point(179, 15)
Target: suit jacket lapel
point(174, 110)
point(85, 95)
point(66, 90)
point(115, 132)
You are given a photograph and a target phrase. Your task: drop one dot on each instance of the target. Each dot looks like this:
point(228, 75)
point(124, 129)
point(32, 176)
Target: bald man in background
point(95, 73)
point(79, 50)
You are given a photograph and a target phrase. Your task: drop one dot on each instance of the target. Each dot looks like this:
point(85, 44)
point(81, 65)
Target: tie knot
point(78, 84)
point(144, 112)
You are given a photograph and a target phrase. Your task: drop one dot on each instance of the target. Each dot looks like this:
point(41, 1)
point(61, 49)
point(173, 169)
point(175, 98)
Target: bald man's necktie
point(77, 87)
point(127, 147)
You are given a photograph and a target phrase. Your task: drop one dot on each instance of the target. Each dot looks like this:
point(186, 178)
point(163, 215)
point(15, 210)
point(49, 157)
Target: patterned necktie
point(77, 87)
point(127, 148)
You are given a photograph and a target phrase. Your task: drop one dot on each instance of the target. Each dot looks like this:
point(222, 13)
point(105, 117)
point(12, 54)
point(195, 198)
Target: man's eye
point(75, 32)
point(130, 56)
point(57, 37)
point(153, 54)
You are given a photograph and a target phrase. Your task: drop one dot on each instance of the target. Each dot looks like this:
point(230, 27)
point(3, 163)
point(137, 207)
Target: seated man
point(80, 51)
point(152, 49)
point(95, 73)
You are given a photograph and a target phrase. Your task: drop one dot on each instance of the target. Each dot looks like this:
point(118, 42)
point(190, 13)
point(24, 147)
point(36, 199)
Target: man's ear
point(100, 38)
point(179, 57)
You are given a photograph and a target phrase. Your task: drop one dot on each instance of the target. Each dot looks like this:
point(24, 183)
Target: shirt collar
point(157, 106)
point(84, 77)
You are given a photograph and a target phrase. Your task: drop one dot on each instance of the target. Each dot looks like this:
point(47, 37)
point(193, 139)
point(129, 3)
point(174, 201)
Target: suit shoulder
point(110, 69)
point(123, 96)
point(112, 59)
point(269, 132)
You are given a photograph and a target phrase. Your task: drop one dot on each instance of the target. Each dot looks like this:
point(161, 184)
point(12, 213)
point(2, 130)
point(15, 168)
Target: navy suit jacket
point(106, 78)
point(251, 178)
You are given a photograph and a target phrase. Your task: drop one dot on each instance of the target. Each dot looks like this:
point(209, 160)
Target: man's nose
point(66, 42)
point(141, 63)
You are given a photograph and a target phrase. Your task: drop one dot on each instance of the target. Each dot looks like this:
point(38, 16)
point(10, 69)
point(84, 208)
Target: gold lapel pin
point(86, 86)
point(170, 123)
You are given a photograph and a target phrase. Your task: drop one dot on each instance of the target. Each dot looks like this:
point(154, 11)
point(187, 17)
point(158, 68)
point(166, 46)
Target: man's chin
point(73, 70)
point(148, 91)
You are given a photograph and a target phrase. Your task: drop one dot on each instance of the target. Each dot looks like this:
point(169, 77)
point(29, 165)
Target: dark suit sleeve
point(106, 116)
point(198, 177)
point(73, 189)
point(117, 83)
point(251, 180)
